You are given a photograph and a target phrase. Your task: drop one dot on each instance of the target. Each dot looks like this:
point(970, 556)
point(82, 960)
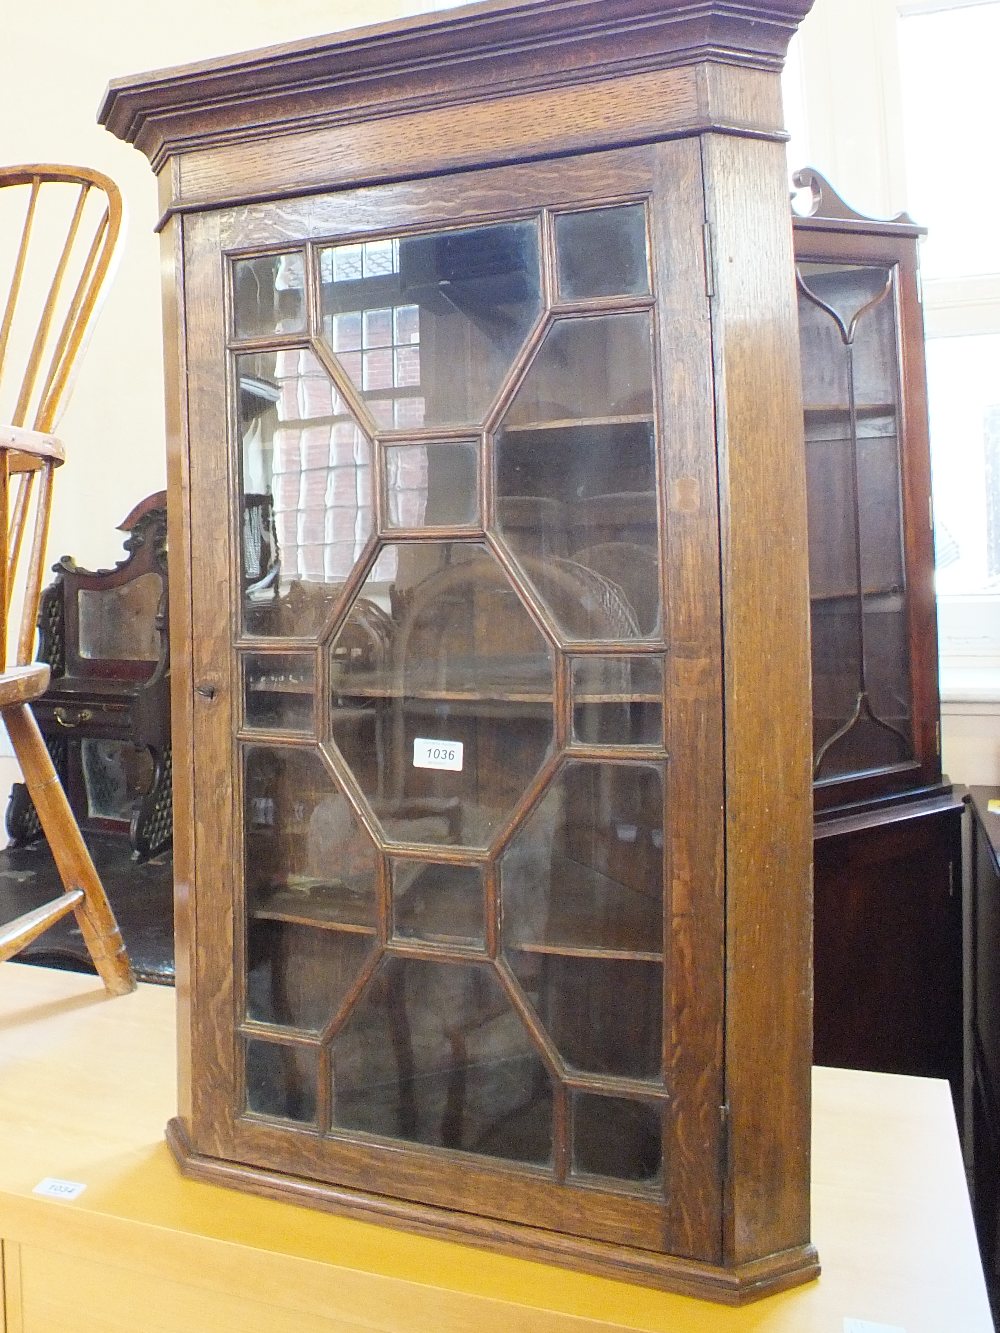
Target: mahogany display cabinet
point(490, 631)
point(888, 909)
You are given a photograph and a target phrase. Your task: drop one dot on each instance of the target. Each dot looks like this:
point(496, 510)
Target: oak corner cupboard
point(490, 631)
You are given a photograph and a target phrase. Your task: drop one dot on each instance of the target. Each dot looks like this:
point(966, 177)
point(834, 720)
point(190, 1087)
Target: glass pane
point(307, 491)
point(115, 774)
point(856, 560)
point(617, 1137)
point(964, 401)
point(434, 1053)
point(605, 1015)
point(279, 689)
point(440, 904)
point(120, 623)
point(602, 253)
point(311, 873)
point(269, 295)
point(854, 731)
point(428, 484)
point(281, 1081)
point(428, 326)
point(618, 700)
point(585, 871)
point(576, 478)
point(441, 693)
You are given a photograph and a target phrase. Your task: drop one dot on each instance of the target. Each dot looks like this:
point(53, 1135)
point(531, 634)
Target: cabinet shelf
point(819, 412)
point(326, 904)
point(578, 423)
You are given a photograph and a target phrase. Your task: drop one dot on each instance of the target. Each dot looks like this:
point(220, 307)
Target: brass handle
point(69, 718)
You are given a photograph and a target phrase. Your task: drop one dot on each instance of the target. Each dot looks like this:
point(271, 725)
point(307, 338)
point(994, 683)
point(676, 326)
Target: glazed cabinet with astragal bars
point(491, 631)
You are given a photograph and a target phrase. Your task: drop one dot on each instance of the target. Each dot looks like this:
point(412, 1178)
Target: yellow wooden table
point(87, 1084)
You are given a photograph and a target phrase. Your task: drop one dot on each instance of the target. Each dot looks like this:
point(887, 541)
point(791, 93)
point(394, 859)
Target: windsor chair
point(60, 225)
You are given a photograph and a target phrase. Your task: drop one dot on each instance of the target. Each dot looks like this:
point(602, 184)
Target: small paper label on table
point(54, 1188)
point(437, 754)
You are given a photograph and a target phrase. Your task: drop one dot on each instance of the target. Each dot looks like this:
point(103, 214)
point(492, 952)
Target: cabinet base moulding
point(737, 1285)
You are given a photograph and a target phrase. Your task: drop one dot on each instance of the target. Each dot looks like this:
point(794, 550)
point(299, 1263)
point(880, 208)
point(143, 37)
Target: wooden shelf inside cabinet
point(310, 902)
point(821, 412)
point(541, 1034)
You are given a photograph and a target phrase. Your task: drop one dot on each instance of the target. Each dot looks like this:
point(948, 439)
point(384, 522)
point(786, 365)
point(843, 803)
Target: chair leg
point(94, 914)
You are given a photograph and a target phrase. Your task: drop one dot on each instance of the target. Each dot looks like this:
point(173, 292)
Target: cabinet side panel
point(208, 717)
point(767, 703)
point(178, 544)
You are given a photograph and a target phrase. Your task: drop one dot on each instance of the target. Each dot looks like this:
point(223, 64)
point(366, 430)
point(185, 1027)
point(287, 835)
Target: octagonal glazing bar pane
point(441, 693)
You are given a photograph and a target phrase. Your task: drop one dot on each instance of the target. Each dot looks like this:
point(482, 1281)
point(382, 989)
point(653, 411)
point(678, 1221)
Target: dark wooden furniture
point(106, 713)
point(494, 909)
point(888, 917)
point(984, 995)
point(66, 223)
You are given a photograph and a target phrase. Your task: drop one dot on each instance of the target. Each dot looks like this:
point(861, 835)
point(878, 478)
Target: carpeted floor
point(141, 895)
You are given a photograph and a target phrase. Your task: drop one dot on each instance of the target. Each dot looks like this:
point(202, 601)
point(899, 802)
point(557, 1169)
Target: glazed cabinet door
point(874, 636)
point(456, 696)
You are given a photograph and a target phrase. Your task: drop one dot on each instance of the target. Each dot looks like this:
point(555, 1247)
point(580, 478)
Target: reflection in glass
point(449, 655)
point(269, 295)
point(307, 491)
point(120, 623)
point(861, 690)
point(440, 904)
point(576, 478)
point(602, 252)
point(400, 314)
point(432, 484)
point(585, 871)
point(434, 1053)
point(617, 1137)
point(618, 700)
point(278, 690)
point(310, 870)
point(281, 1081)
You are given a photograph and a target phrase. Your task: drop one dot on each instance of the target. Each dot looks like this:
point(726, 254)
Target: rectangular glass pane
point(281, 1081)
point(602, 252)
point(115, 774)
point(269, 295)
point(440, 904)
point(617, 1137)
point(618, 700)
point(428, 484)
point(278, 690)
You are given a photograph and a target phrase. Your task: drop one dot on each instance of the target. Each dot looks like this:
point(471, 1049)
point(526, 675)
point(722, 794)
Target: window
point(947, 60)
